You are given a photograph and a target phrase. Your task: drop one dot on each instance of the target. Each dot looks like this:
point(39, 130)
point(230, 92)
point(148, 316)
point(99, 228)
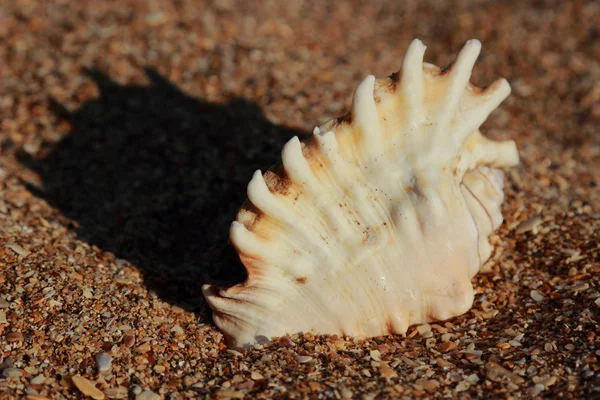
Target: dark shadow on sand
point(156, 177)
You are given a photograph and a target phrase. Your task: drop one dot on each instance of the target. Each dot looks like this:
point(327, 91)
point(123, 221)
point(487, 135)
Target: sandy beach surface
point(129, 130)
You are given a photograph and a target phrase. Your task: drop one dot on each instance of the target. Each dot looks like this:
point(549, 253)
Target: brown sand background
point(128, 132)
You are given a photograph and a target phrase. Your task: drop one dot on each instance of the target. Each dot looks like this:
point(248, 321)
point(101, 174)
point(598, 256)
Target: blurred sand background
point(129, 130)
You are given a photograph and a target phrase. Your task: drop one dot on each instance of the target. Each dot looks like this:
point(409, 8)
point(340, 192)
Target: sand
point(129, 130)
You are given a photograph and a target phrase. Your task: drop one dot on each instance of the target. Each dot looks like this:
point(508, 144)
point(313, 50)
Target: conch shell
point(380, 219)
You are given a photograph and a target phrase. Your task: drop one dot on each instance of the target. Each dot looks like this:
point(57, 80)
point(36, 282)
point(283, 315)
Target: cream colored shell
point(380, 220)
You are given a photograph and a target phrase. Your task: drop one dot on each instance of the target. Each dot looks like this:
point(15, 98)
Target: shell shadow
point(156, 176)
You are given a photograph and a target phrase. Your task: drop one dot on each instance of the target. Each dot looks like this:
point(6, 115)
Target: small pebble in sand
point(135, 389)
point(38, 380)
point(285, 341)
point(536, 296)
point(103, 362)
point(87, 387)
point(303, 359)
point(498, 373)
point(147, 395)
point(4, 303)
point(12, 373)
point(14, 337)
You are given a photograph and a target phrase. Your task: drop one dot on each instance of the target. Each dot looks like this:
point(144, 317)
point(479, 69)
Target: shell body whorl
point(380, 219)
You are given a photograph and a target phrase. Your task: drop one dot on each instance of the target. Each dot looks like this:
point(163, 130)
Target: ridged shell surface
point(380, 219)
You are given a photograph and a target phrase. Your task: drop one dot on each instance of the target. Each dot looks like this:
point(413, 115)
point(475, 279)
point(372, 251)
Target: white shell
point(380, 220)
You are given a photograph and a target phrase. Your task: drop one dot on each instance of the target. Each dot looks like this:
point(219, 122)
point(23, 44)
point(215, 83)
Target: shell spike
point(458, 74)
point(484, 151)
point(216, 300)
point(296, 166)
point(329, 148)
point(412, 65)
point(241, 238)
point(257, 187)
point(493, 153)
point(248, 243)
point(262, 198)
point(328, 144)
point(460, 70)
point(486, 102)
point(366, 116)
point(411, 81)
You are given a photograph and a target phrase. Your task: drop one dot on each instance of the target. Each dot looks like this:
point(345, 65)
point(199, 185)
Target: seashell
point(380, 219)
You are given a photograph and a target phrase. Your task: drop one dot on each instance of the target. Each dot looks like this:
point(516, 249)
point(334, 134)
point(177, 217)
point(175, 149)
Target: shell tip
point(418, 43)
point(504, 86)
point(474, 43)
point(369, 81)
